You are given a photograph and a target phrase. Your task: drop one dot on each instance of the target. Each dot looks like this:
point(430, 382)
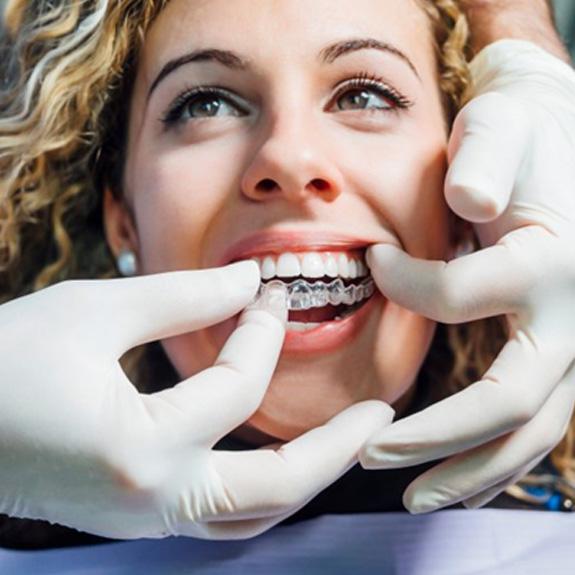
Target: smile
point(321, 286)
point(332, 297)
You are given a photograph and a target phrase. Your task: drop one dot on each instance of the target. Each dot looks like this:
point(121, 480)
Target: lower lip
point(330, 335)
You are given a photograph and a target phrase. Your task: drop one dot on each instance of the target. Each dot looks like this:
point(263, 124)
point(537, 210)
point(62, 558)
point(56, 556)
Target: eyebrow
point(233, 61)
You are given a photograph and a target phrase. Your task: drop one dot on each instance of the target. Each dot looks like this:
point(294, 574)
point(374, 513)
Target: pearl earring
point(126, 262)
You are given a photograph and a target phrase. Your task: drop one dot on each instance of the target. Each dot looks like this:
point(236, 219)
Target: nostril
point(267, 185)
point(320, 185)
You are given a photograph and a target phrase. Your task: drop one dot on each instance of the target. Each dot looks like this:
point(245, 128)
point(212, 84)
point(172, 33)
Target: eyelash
point(364, 80)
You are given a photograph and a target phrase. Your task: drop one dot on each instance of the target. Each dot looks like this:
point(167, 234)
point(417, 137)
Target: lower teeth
point(301, 326)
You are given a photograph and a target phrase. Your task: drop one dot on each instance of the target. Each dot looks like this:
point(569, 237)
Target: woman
point(316, 140)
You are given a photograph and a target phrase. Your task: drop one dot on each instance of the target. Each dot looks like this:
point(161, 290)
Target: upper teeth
point(311, 265)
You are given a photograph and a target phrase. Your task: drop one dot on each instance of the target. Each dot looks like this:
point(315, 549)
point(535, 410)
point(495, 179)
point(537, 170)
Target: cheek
point(177, 197)
point(424, 227)
point(402, 179)
point(419, 212)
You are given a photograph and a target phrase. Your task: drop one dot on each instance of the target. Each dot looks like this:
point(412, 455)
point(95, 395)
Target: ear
point(119, 225)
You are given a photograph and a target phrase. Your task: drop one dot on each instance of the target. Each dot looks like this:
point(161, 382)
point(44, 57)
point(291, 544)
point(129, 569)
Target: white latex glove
point(512, 172)
point(81, 447)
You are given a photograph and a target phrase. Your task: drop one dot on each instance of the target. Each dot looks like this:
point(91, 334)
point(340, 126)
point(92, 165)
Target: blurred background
point(565, 18)
point(564, 14)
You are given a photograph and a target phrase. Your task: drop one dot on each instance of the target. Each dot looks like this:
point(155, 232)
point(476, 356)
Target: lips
point(277, 242)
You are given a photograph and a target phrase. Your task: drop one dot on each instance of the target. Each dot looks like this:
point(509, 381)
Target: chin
point(383, 365)
point(285, 420)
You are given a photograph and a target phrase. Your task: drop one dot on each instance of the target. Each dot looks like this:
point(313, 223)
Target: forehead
point(276, 31)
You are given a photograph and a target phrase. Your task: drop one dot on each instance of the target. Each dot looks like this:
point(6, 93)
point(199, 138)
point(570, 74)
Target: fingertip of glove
point(379, 254)
point(272, 298)
point(472, 503)
point(471, 202)
point(418, 502)
point(387, 412)
point(244, 275)
point(383, 416)
point(381, 411)
point(367, 458)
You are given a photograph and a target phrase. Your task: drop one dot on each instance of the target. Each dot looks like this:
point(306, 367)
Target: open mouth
point(322, 286)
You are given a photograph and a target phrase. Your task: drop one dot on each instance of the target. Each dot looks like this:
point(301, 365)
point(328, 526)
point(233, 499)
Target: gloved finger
point(486, 283)
point(245, 528)
point(242, 528)
point(220, 398)
point(486, 148)
point(488, 495)
point(484, 497)
point(511, 393)
point(470, 473)
point(265, 483)
point(154, 307)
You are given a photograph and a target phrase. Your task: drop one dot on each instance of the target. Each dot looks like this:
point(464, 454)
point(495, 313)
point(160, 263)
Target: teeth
point(268, 268)
point(301, 326)
point(352, 269)
point(288, 266)
point(343, 266)
point(331, 267)
point(311, 265)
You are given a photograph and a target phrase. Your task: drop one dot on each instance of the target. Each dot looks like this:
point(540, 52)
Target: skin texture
point(338, 165)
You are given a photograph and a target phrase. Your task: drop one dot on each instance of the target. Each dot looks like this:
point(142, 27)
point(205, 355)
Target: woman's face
point(325, 135)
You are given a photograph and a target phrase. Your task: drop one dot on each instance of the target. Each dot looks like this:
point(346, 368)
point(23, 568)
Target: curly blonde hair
point(69, 72)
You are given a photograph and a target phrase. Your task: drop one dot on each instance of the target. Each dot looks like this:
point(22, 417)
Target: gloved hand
point(512, 172)
point(81, 447)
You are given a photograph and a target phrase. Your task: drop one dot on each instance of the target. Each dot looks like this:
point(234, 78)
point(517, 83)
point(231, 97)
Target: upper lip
point(277, 242)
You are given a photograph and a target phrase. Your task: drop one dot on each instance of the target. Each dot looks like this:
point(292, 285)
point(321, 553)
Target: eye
point(200, 103)
point(369, 93)
point(363, 100)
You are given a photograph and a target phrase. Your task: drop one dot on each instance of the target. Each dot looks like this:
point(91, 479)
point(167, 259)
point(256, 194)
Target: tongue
point(313, 315)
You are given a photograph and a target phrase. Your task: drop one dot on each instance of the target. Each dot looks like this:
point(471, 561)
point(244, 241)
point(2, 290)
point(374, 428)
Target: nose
point(293, 163)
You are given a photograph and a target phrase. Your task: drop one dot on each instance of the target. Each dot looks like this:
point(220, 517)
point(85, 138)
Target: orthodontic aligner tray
point(306, 295)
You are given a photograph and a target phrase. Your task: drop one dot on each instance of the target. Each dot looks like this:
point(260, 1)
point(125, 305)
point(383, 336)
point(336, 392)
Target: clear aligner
point(306, 295)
